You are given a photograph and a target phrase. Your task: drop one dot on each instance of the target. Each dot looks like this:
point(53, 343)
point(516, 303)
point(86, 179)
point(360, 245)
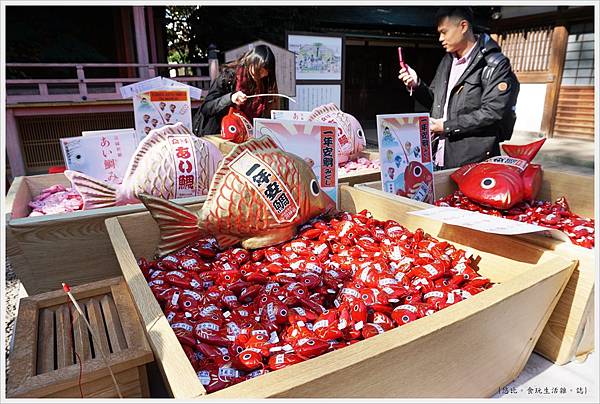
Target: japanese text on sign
point(168, 95)
point(267, 184)
point(511, 161)
point(184, 157)
point(111, 151)
point(328, 157)
point(424, 135)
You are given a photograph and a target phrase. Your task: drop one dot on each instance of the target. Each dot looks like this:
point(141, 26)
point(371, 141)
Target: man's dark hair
point(455, 13)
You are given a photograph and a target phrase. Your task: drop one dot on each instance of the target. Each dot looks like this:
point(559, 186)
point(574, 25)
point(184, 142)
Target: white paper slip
point(482, 222)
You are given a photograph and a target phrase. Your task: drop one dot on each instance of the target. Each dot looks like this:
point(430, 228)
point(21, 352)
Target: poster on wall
point(405, 155)
point(310, 96)
point(317, 57)
point(314, 142)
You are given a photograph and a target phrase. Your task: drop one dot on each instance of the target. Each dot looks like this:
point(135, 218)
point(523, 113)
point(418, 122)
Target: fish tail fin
point(95, 193)
point(458, 175)
point(178, 225)
point(525, 152)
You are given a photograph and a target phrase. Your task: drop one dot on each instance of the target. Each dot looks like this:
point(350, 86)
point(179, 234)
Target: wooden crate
point(47, 250)
point(51, 340)
point(569, 333)
point(467, 350)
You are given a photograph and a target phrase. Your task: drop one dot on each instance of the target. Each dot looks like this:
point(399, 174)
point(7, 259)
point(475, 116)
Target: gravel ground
point(12, 294)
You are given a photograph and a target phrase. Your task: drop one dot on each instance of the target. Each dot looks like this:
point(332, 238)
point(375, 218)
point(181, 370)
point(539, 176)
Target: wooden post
point(83, 93)
point(560, 37)
point(141, 40)
point(13, 145)
point(213, 62)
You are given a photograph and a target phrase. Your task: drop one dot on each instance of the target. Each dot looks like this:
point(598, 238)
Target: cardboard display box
point(357, 177)
point(52, 341)
point(45, 251)
point(467, 350)
point(569, 333)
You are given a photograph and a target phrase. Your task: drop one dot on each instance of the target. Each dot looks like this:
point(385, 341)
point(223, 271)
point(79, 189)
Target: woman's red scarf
point(253, 107)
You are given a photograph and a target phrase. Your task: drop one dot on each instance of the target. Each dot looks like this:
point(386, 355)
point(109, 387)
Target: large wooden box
point(52, 341)
point(569, 333)
point(45, 251)
point(468, 350)
point(357, 177)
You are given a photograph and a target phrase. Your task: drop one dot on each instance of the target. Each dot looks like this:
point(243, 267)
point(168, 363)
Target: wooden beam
point(535, 77)
point(560, 36)
point(13, 145)
point(141, 39)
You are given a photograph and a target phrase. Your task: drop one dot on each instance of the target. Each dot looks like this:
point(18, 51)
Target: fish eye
point(232, 128)
point(417, 171)
point(239, 349)
point(226, 358)
point(283, 312)
point(405, 318)
point(310, 342)
point(488, 183)
point(246, 356)
point(314, 188)
point(360, 133)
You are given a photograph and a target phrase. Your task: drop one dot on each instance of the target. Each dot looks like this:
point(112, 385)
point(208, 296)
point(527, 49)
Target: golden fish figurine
point(258, 196)
point(170, 162)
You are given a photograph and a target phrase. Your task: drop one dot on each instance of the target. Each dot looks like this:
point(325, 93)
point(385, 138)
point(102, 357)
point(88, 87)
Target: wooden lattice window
point(528, 49)
point(579, 59)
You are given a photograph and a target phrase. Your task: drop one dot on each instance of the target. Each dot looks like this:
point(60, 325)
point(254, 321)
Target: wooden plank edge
point(174, 364)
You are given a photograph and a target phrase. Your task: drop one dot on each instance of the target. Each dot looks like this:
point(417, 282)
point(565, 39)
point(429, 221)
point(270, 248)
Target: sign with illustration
point(310, 96)
point(314, 142)
point(317, 57)
point(101, 154)
point(405, 153)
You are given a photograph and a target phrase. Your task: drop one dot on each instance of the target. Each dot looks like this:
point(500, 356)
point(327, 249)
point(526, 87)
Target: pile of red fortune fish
point(56, 199)
point(555, 215)
point(239, 314)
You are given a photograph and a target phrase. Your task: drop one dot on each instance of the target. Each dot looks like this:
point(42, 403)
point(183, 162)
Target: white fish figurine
point(351, 137)
point(170, 163)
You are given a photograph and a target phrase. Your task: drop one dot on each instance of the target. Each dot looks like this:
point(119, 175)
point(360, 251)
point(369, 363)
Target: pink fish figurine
point(351, 137)
point(258, 196)
point(235, 126)
point(170, 162)
point(502, 181)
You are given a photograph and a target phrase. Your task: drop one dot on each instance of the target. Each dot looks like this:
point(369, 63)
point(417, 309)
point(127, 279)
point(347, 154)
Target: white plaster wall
point(530, 107)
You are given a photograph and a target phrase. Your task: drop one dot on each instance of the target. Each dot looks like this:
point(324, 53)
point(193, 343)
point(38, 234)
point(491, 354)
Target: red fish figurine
point(258, 196)
point(235, 126)
point(502, 181)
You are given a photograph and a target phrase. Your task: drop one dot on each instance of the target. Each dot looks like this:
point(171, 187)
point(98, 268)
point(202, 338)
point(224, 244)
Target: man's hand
point(409, 77)
point(436, 126)
point(238, 98)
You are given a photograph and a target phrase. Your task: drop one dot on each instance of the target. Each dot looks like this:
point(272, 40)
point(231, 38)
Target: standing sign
point(314, 142)
point(101, 154)
point(158, 102)
point(405, 155)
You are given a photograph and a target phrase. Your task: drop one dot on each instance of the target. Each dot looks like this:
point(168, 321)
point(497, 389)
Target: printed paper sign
point(290, 115)
point(268, 184)
point(482, 222)
point(101, 154)
point(157, 108)
point(314, 142)
point(405, 155)
point(182, 148)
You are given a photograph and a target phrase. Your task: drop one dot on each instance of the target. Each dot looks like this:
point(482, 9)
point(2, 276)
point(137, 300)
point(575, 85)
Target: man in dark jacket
point(472, 95)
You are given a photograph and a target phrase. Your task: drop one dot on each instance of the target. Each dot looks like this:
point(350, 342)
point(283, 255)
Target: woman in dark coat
point(252, 73)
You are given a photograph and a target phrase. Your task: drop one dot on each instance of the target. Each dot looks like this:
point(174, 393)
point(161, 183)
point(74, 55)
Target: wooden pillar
point(13, 145)
point(213, 62)
point(560, 37)
point(152, 35)
point(141, 40)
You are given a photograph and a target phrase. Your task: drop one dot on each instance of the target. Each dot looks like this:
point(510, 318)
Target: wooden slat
point(45, 354)
point(25, 348)
point(97, 323)
point(113, 324)
point(81, 336)
point(64, 337)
